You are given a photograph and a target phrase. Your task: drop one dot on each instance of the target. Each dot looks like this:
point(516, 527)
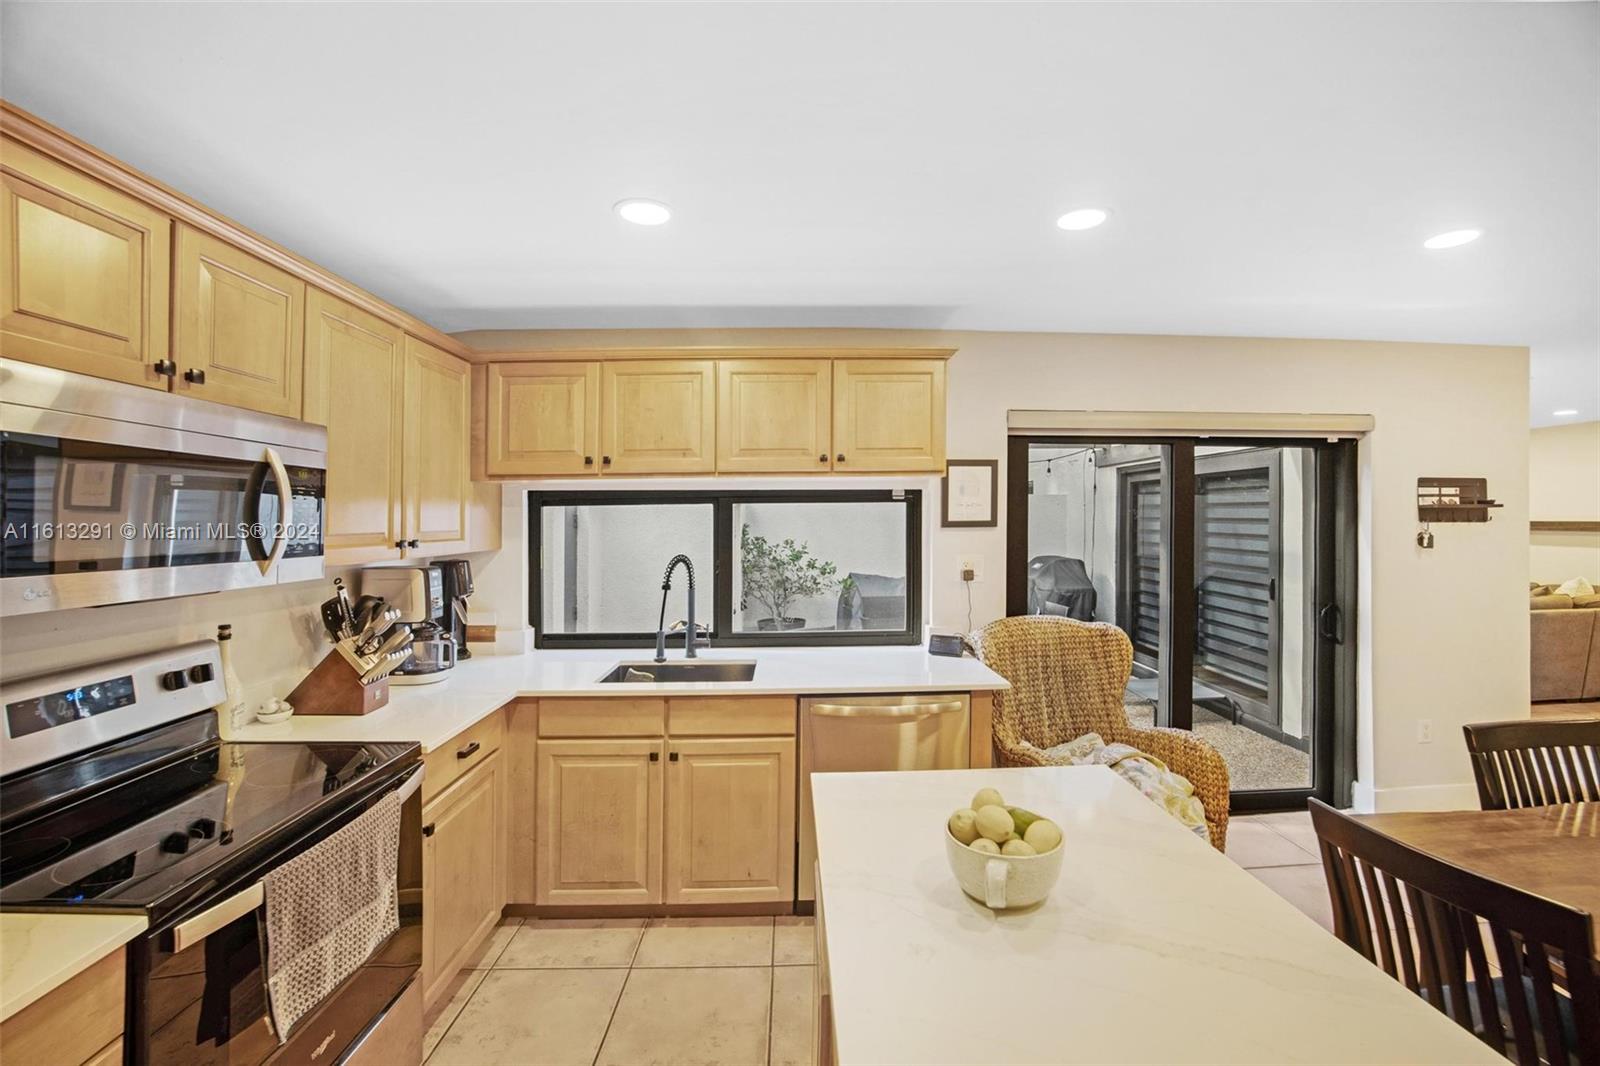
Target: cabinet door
point(85, 272)
point(463, 871)
point(730, 820)
point(437, 481)
point(888, 415)
point(239, 327)
point(542, 419)
point(354, 368)
point(658, 416)
point(599, 815)
point(774, 416)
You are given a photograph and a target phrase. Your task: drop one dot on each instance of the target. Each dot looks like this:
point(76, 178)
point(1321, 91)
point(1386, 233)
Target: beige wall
point(1442, 634)
point(1564, 484)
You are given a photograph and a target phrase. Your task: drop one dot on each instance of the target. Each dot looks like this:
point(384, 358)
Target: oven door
point(96, 511)
point(197, 986)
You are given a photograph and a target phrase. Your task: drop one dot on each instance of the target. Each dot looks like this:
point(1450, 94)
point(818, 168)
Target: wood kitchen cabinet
point(598, 837)
point(77, 1023)
point(730, 833)
point(238, 327)
point(541, 419)
point(774, 416)
point(85, 272)
point(463, 871)
point(438, 391)
point(355, 366)
point(888, 415)
point(658, 416)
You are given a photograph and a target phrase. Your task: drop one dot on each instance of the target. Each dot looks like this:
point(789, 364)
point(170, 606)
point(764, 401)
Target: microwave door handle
point(280, 478)
point(187, 934)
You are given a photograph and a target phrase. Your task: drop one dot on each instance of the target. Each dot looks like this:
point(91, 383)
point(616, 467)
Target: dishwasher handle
point(883, 710)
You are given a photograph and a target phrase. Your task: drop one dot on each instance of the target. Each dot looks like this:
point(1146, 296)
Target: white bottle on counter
point(231, 712)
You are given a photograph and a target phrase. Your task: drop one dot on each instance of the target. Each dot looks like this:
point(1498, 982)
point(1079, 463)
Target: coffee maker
point(418, 593)
point(457, 587)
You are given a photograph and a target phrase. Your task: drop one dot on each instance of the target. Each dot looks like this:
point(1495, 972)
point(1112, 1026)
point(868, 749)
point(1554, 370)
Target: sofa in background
point(1565, 639)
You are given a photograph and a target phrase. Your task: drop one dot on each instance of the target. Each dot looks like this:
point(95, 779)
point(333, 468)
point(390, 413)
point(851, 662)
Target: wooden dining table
point(1551, 851)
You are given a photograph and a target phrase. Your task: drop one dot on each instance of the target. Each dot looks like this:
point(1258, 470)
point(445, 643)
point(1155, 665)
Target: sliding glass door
point(1227, 564)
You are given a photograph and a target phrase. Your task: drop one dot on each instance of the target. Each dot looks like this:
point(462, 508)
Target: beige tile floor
point(686, 991)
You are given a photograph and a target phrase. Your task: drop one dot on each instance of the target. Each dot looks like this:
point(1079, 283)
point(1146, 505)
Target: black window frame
point(723, 549)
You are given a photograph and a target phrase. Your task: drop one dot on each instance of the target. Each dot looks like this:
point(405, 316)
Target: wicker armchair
point(1067, 679)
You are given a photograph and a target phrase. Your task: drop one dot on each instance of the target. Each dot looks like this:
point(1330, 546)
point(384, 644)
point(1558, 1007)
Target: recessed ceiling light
point(643, 212)
point(1083, 218)
point(1565, 412)
point(1453, 239)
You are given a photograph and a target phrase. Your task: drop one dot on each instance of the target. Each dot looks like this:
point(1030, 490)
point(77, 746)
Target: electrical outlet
point(971, 568)
point(1424, 730)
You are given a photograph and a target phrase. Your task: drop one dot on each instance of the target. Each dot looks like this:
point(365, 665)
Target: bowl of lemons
point(1002, 856)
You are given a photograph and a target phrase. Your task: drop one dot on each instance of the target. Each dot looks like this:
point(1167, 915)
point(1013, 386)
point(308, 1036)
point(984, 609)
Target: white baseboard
point(1462, 796)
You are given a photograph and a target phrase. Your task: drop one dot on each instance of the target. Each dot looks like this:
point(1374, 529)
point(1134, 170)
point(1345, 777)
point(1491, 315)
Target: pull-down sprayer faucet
point(691, 636)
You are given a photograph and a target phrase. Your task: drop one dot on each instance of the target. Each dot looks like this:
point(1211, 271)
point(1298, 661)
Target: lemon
point(1044, 835)
point(987, 797)
point(964, 825)
point(985, 845)
point(1021, 819)
point(1017, 847)
point(994, 822)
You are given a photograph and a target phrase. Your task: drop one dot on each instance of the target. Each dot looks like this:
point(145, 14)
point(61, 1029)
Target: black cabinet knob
point(200, 673)
point(655, 756)
point(413, 543)
point(822, 458)
point(165, 367)
point(427, 830)
point(839, 458)
point(588, 460)
point(194, 377)
point(175, 843)
point(399, 544)
point(173, 680)
point(672, 757)
point(605, 460)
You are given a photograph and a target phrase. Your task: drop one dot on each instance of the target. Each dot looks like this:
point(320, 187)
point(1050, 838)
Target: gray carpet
point(1254, 761)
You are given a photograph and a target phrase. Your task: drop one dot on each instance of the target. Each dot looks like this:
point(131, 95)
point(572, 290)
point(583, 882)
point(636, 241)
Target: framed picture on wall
point(970, 490)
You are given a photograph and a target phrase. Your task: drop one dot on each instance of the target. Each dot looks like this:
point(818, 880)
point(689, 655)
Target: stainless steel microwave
point(112, 493)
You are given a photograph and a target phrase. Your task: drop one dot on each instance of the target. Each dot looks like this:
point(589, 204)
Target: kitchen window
point(789, 568)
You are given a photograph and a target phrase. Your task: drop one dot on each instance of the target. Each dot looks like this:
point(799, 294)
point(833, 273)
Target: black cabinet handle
point(672, 757)
point(655, 756)
point(413, 543)
point(194, 377)
point(166, 368)
point(469, 751)
point(588, 460)
point(427, 830)
point(399, 544)
point(822, 458)
point(605, 460)
point(839, 458)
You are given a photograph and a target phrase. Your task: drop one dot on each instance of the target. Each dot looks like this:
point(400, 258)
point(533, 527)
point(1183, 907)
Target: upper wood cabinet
point(355, 364)
point(598, 838)
point(239, 333)
point(463, 871)
point(541, 419)
point(774, 416)
point(438, 389)
point(658, 416)
point(85, 272)
point(730, 820)
point(888, 415)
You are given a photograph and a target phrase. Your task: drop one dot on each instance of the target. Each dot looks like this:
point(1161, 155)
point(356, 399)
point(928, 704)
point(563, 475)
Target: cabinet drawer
point(449, 761)
point(73, 1022)
point(732, 716)
point(602, 718)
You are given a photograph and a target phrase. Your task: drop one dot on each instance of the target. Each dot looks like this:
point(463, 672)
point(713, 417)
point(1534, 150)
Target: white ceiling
point(1272, 169)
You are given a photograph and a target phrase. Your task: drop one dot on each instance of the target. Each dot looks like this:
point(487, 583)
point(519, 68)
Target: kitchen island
point(1152, 947)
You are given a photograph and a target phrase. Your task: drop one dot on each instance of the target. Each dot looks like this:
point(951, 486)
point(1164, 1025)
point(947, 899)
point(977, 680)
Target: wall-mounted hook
point(1424, 537)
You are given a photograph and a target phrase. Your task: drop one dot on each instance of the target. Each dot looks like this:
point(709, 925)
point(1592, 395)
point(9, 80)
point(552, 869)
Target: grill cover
point(872, 601)
point(1060, 586)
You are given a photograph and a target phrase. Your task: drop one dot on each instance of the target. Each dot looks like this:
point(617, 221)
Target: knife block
point(335, 687)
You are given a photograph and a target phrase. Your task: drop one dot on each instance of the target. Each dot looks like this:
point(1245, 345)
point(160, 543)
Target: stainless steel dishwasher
point(924, 731)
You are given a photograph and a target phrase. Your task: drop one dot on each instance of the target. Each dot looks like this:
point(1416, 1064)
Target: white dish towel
point(328, 910)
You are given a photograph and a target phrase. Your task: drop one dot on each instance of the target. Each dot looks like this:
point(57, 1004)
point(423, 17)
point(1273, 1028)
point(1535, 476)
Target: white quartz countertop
point(39, 952)
point(432, 714)
point(1152, 948)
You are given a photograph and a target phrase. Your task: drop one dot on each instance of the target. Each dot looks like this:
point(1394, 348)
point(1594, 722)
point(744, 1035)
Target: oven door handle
point(187, 934)
point(280, 478)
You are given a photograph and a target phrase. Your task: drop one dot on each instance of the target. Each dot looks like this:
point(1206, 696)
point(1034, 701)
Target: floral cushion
point(1171, 791)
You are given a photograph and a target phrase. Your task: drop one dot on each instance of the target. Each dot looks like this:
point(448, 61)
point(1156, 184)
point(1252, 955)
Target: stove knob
point(201, 674)
point(175, 843)
point(203, 829)
point(173, 680)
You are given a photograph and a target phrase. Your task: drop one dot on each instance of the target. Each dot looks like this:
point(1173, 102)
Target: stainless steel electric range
point(118, 796)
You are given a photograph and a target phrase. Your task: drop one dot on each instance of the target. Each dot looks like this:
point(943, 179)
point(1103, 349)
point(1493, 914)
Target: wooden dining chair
point(1535, 764)
point(1450, 934)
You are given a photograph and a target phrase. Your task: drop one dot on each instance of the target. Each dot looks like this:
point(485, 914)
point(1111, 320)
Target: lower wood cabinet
point(730, 820)
point(78, 1023)
point(598, 836)
point(463, 871)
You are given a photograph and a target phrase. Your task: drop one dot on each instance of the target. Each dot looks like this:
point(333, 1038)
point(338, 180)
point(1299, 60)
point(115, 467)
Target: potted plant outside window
point(776, 574)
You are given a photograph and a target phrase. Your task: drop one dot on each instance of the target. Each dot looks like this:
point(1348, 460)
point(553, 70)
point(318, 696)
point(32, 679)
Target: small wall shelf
point(1454, 499)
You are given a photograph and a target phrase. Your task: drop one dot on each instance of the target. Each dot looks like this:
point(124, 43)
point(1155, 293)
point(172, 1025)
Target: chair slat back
point(1535, 764)
point(1448, 934)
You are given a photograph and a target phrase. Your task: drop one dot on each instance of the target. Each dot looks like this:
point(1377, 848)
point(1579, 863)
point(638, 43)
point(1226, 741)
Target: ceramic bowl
point(1003, 881)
